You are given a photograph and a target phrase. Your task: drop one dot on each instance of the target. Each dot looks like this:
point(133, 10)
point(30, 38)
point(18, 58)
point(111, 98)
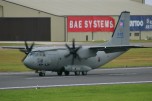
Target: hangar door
point(21, 29)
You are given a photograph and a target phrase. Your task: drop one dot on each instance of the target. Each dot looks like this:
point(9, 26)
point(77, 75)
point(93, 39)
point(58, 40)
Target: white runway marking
point(56, 77)
point(65, 85)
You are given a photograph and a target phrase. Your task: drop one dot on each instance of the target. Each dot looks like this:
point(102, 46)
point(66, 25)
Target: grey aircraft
point(79, 59)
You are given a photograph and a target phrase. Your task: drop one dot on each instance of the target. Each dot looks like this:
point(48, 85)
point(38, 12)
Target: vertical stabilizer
point(121, 33)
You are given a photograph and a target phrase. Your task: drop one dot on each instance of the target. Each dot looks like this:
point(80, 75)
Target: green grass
point(10, 60)
point(15, 44)
point(127, 92)
point(11, 44)
point(140, 41)
point(133, 58)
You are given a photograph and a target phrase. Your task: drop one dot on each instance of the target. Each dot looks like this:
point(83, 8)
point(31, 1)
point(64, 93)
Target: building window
point(136, 34)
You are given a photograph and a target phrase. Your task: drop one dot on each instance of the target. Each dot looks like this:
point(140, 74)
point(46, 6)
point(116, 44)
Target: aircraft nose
point(26, 62)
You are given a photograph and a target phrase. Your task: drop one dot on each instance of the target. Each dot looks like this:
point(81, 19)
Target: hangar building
point(47, 20)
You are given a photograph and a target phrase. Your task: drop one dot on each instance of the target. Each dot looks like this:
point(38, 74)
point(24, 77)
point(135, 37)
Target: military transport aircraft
point(79, 59)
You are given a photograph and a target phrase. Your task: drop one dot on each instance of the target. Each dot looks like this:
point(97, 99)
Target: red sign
point(90, 24)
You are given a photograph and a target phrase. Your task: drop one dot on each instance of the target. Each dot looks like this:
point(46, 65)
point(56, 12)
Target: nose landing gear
point(41, 73)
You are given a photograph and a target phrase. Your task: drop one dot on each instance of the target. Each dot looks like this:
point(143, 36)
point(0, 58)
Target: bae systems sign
point(140, 23)
point(90, 24)
point(106, 23)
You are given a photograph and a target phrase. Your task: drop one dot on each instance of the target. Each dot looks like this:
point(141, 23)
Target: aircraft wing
point(13, 47)
point(35, 49)
point(115, 48)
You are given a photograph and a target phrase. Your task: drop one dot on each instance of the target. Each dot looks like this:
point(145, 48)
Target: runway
point(95, 77)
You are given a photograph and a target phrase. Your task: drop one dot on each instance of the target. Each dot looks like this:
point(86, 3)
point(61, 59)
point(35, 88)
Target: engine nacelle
point(77, 68)
point(85, 53)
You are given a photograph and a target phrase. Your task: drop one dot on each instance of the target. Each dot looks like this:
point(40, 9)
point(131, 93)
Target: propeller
point(73, 51)
point(27, 49)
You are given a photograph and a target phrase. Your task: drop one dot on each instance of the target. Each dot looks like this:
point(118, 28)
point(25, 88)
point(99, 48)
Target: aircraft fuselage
point(56, 60)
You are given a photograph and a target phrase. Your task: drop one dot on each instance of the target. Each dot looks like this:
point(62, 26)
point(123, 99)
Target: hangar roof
point(86, 7)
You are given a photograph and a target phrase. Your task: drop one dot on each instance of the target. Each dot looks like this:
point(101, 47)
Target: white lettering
point(85, 24)
point(106, 23)
point(95, 24)
point(102, 24)
point(76, 24)
point(136, 23)
point(111, 24)
point(71, 24)
point(90, 23)
point(80, 24)
point(148, 27)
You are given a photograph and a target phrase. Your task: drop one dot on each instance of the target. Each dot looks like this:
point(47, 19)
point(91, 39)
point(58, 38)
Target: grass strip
point(126, 92)
point(133, 58)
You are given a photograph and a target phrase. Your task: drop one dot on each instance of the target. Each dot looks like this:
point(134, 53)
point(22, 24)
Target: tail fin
point(121, 33)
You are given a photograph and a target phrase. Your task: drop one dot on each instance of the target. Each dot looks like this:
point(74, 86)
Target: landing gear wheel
point(84, 73)
point(41, 74)
point(59, 73)
point(66, 73)
point(77, 73)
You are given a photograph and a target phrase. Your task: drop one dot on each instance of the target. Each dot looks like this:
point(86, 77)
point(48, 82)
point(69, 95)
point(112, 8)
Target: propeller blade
point(26, 46)
point(67, 47)
point(31, 47)
point(73, 43)
point(78, 48)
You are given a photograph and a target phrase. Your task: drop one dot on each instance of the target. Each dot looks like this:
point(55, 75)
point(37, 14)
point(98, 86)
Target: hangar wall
point(141, 1)
point(58, 27)
point(8, 9)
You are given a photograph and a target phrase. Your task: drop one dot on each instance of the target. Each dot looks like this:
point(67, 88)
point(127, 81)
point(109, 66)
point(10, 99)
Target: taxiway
point(94, 77)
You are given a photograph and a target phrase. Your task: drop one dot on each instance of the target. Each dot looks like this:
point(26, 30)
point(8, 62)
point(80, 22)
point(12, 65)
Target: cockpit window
point(37, 54)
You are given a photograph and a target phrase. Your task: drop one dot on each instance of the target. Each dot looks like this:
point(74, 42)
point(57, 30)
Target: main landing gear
point(65, 72)
point(78, 73)
point(59, 73)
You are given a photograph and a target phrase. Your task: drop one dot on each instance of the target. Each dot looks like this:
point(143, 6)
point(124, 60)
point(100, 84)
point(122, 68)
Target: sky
point(148, 2)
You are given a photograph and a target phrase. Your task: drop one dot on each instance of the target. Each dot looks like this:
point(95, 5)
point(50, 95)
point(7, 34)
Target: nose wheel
point(41, 73)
